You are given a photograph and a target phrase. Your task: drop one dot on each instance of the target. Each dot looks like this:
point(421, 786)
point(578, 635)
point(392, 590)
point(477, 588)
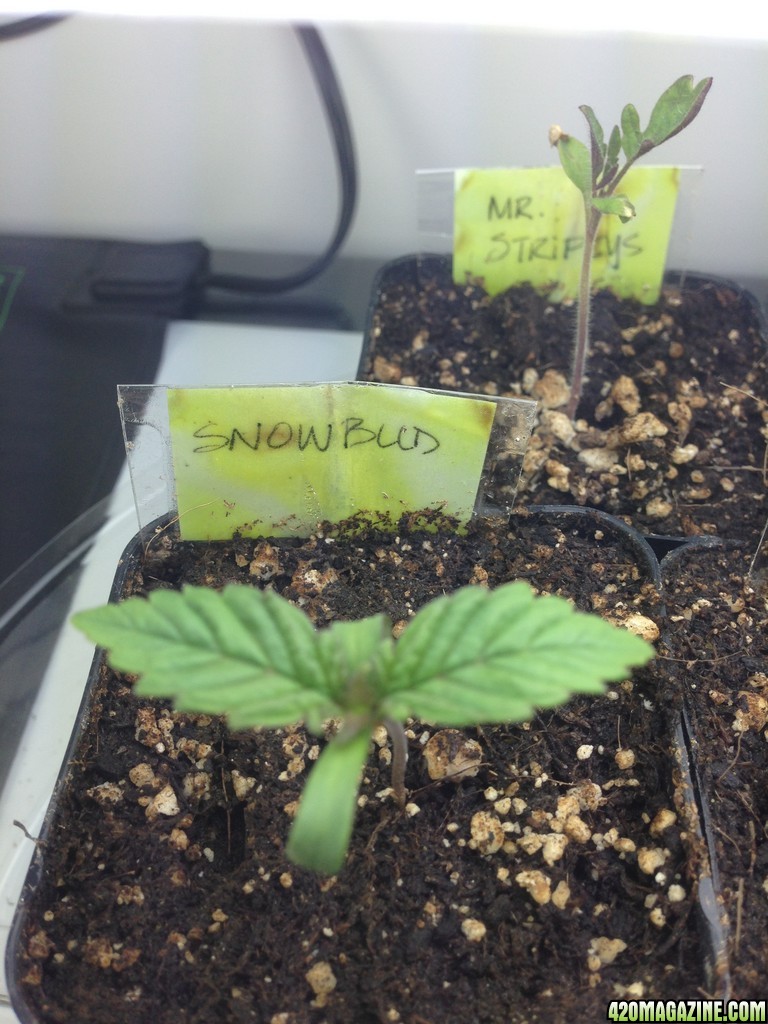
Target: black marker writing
point(355, 433)
point(511, 209)
point(350, 433)
point(529, 249)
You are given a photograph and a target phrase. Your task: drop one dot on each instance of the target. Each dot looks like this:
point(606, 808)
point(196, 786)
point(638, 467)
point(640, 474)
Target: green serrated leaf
point(675, 109)
point(323, 824)
point(353, 654)
point(596, 140)
point(632, 134)
point(577, 163)
point(611, 163)
point(493, 656)
point(614, 147)
point(618, 206)
point(243, 652)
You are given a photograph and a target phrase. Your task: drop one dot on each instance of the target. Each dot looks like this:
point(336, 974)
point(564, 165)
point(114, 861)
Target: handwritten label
point(526, 225)
point(278, 460)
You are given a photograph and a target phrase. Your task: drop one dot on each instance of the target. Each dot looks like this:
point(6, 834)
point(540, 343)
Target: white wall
point(163, 129)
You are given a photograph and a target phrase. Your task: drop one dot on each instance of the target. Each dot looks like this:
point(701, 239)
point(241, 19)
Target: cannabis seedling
point(596, 172)
point(475, 656)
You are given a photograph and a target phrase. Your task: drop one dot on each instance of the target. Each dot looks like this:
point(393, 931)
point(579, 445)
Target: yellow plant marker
point(277, 460)
point(526, 225)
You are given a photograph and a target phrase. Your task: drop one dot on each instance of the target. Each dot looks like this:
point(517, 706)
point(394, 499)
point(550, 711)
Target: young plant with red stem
point(596, 170)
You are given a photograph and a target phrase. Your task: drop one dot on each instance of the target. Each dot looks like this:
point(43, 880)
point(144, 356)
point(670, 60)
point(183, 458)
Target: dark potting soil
point(671, 429)
point(717, 649)
point(561, 876)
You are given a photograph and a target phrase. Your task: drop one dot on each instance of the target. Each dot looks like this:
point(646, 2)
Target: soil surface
point(717, 661)
point(562, 875)
point(671, 430)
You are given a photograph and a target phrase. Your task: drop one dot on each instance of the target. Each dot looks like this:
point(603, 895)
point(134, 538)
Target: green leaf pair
point(475, 656)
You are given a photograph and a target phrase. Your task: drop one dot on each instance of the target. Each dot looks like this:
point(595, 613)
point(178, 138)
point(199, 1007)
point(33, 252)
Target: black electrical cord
point(338, 121)
point(26, 26)
point(335, 109)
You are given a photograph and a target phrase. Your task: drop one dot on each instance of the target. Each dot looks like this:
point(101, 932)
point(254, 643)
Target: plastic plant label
point(526, 225)
point(276, 460)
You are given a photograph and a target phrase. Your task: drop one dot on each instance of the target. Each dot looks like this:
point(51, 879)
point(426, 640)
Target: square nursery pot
point(671, 428)
point(716, 650)
point(570, 870)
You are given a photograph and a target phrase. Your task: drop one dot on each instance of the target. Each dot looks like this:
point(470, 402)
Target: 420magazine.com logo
point(686, 1010)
